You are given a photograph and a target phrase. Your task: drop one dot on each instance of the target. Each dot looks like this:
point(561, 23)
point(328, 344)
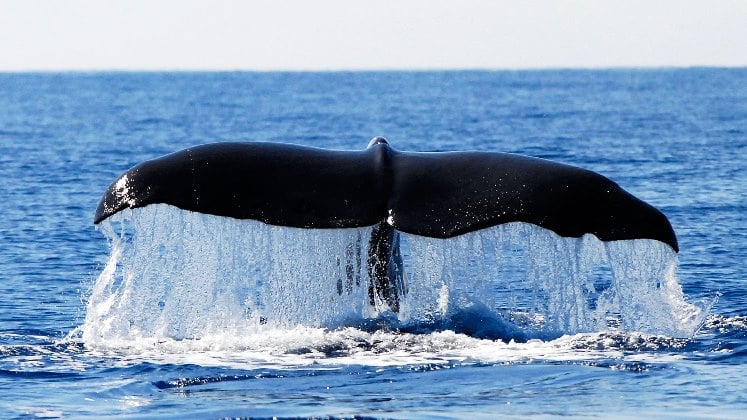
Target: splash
point(176, 275)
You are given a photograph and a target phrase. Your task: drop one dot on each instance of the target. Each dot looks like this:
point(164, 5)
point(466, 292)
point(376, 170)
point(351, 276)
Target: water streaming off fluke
point(175, 274)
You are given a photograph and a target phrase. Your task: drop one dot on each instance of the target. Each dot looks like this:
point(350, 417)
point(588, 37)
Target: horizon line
point(364, 69)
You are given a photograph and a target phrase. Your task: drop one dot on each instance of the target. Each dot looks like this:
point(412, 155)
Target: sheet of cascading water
point(178, 275)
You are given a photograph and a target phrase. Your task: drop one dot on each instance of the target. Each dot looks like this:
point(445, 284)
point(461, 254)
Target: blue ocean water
point(673, 137)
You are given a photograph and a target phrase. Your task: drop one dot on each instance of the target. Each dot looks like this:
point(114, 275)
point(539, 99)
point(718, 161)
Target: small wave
point(725, 324)
point(36, 374)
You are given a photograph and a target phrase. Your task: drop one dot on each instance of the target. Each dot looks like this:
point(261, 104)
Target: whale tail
point(439, 195)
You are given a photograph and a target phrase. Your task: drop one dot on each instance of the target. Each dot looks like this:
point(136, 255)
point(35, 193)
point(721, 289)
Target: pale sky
point(382, 34)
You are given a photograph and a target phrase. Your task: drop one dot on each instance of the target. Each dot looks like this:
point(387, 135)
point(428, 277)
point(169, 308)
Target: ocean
point(171, 314)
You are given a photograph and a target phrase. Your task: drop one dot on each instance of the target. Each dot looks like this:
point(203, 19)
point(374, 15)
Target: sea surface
point(167, 313)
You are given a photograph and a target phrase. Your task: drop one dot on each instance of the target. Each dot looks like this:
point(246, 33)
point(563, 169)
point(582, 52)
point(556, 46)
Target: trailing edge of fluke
point(439, 194)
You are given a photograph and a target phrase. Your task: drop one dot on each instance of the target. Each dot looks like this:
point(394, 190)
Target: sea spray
point(174, 274)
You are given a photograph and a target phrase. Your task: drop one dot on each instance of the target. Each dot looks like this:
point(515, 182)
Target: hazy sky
point(381, 34)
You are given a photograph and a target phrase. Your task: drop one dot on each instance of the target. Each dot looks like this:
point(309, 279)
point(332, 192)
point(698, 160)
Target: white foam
point(318, 348)
point(176, 276)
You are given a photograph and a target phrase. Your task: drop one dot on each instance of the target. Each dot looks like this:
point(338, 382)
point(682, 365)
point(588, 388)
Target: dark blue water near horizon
point(676, 138)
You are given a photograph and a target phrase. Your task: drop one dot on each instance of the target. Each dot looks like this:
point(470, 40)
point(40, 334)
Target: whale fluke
point(439, 194)
point(433, 194)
